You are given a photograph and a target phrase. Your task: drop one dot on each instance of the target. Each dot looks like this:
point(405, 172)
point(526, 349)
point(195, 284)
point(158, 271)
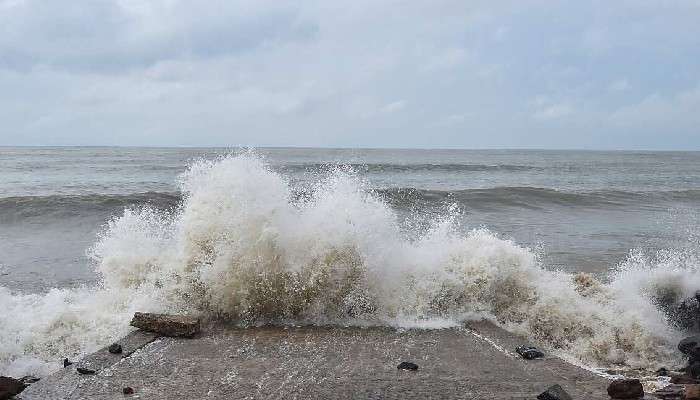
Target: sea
point(587, 252)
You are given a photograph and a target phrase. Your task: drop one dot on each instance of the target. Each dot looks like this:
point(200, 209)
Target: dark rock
point(554, 392)
point(10, 387)
point(167, 325)
point(529, 352)
point(693, 370)
point(683, 380)
point(127, 390)
point(662, 372)
point(690, 346)
point(85, 371)
point(670, 392)
point(115, 348)
point(66, 363)
point(625, 389)
point(408, 366)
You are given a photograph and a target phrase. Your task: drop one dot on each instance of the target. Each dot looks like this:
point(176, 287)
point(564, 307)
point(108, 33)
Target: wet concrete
point(474, 362)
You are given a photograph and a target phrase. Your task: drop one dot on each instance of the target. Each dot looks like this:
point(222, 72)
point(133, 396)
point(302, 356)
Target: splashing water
point(241, 248)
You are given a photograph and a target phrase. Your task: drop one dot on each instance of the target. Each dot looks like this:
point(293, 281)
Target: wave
point(242, 247)
point(19, 208)
point(535, 197)
point(408, 168)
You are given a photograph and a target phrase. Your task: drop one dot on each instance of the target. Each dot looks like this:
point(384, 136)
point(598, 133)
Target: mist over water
point(241, 238)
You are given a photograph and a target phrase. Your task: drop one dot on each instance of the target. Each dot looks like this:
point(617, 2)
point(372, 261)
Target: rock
point(683, 380)
point(662, 372)
point(693, 370)
point(554, 392)
point(692, 392)
point(167, 325)
point(66, 363)
point(10, 387)
point(127, 390)
point(408, 366)
point(690, 346)
point(626, 389)
point(85, 371)
point(529, 352)
point(115, 348)
point(670, 392)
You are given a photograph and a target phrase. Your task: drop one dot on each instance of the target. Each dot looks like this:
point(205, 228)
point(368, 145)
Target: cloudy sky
point(380, 73)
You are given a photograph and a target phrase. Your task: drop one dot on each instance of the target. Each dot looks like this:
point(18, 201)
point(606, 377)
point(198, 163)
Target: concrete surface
point(474, 362)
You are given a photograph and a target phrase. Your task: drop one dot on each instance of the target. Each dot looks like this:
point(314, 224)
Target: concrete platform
point(474, 362)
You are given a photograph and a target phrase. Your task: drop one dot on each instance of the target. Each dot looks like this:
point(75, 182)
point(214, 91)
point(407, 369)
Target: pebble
point(115, 348)
point(408, 366)
point(554, 392)
point(127, 390)
point(529, 352)
point(85, 371)
point(626, 389)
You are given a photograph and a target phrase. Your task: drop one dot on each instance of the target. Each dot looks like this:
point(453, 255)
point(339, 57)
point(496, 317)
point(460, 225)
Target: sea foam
point(243, 248)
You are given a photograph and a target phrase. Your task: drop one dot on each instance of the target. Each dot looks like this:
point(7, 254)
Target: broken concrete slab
point(167, 325)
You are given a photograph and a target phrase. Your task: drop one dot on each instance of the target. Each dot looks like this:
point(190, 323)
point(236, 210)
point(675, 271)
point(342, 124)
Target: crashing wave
point(242, 247)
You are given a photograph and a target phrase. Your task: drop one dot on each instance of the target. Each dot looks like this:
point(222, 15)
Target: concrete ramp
point(474, 362)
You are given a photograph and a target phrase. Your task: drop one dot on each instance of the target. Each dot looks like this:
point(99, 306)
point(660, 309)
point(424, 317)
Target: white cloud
point(364, 73)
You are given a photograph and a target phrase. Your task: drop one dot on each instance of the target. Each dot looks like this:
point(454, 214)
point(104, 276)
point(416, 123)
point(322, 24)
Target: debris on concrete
point(85, 371)
point(167, 325)
point(554, 392)
point(626, 389)
point(128, 390)
point(407, 366)
point(529, 352)
point(115, 348)
point(66, 363)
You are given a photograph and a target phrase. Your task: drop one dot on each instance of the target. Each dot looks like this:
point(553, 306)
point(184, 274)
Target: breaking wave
point(242, 247)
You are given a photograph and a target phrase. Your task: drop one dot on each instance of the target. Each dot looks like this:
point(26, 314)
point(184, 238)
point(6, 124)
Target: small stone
point(127, 390)
point(85, 371)
point(692, 392)
point(66, 363)
point(529, 352)
point(10, 387)
point(625, 389)
point(554, 392)
point(115, 348)
point(408, 366)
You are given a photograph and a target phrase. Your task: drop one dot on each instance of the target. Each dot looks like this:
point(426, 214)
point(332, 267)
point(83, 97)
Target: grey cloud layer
point(368, 73)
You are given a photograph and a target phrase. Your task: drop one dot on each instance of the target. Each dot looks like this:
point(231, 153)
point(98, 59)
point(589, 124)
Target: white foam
point(239, 248)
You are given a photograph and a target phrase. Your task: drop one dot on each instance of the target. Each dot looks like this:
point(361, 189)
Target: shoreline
point(475, 361)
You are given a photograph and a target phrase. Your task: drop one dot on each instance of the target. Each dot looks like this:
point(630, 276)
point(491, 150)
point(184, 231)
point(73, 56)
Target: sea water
point(581, 251)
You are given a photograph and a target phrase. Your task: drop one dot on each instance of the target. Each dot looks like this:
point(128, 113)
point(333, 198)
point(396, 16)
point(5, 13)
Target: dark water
point(582, 210)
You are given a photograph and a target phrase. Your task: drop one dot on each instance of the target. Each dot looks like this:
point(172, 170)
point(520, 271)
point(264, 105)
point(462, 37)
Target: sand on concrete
point(476, 361)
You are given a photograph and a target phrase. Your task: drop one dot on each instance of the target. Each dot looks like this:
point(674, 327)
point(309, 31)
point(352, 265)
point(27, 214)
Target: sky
point(362, 73)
